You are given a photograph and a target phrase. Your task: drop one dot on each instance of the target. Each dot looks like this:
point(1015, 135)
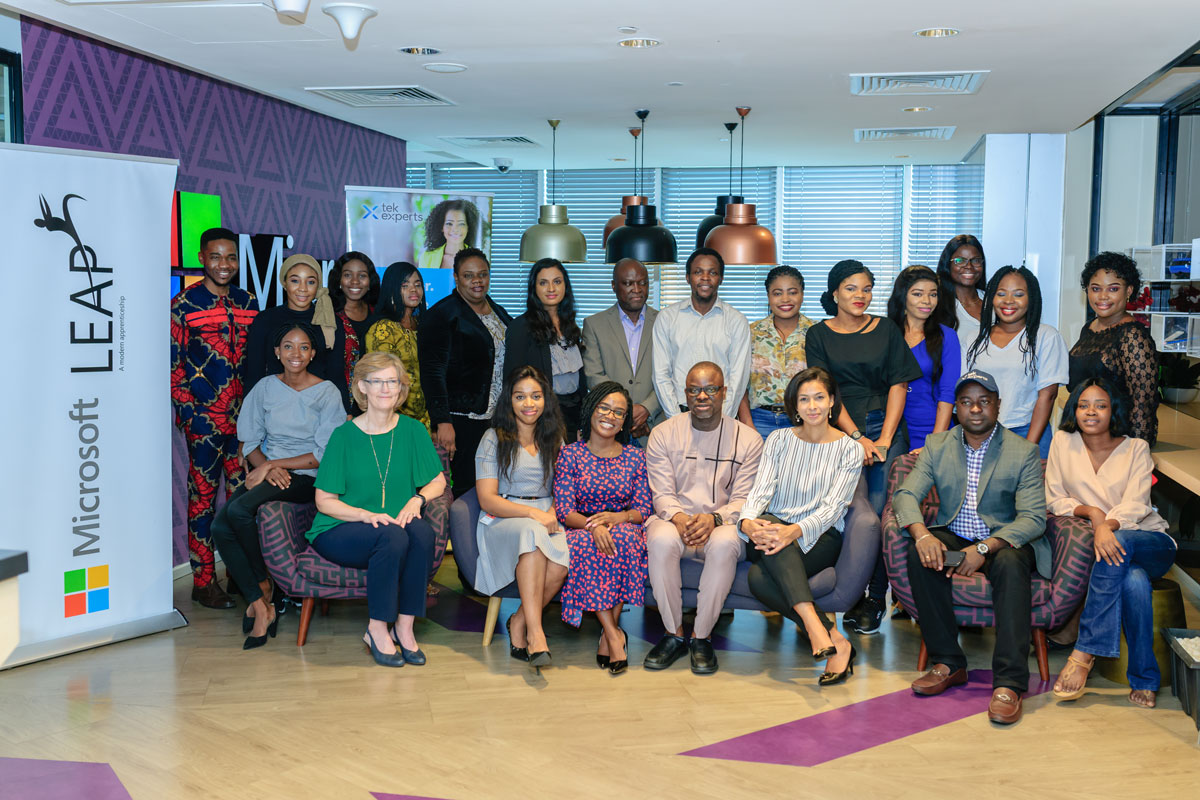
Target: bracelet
point(918, 541)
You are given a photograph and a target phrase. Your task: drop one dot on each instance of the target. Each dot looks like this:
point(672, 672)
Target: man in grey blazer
point(618, 340)
point(993, 509)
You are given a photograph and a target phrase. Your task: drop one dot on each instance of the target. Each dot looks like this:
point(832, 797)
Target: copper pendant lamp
point(553, 236)
point(642, 237)
point(741, 240)
point(718, 216)
point(635, 199)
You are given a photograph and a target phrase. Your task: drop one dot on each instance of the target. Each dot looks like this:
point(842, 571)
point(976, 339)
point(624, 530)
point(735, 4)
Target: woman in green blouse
point(378, 473)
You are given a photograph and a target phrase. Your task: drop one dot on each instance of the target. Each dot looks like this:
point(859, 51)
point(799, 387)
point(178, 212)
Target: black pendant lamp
point(635, 199)
point(641, 237)
point(718, 216)
point(553, 236)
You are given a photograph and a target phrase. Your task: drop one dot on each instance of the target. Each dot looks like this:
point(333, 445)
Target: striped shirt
point(805, 484)
point(967, 523)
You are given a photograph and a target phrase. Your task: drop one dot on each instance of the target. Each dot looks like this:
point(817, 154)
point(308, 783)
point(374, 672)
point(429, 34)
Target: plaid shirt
point(967, 524)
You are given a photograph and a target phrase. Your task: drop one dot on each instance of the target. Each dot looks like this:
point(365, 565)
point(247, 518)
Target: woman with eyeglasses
point(962, 270)
point(602, 498)
point(379, 472)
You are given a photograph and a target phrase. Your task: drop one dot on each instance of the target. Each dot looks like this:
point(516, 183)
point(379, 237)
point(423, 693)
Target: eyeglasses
point(709, 391)
point(977, 261)
point(608, 411)
point(378, 383)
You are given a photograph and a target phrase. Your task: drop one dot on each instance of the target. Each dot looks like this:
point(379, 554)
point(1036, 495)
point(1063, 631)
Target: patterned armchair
point(1054, 599)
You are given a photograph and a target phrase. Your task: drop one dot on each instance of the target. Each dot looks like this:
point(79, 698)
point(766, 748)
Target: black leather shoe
point(258, 641)
point(830, 678)
point(519, 653)
point(414, 657)
point(212, 596)
point(617, 666)
point(383, 659)
point(670, 648)
point(248, 623)
point(539, 659)
point(601, 661)
point(704, 658)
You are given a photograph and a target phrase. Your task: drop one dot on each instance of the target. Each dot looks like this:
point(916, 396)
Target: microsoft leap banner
point(86, 418)
point(424, 227)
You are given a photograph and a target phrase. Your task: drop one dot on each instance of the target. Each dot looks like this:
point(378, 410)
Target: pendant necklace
point(383, 473)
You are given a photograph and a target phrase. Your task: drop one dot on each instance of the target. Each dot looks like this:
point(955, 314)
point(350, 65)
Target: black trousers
point(397, 561)
point(1009, 570)
point(467, 433)
point(235, 530)
point(780, 581)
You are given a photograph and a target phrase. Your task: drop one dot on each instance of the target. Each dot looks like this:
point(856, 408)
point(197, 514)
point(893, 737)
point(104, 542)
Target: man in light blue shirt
point(701, 328)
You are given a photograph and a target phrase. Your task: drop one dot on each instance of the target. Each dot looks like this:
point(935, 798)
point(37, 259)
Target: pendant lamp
point(741, 240)
point(641, 237)
point(723, 200)
point(635, 199)
point(553, 236)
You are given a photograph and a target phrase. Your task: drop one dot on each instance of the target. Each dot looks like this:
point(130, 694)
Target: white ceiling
point(1053, 64)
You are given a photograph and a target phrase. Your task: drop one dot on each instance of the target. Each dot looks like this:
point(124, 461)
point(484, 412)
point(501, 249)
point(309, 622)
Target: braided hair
point(1033, 318)
point(593, 399)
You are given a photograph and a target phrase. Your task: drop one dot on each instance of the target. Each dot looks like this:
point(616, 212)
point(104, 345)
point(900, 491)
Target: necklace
point(383, 473)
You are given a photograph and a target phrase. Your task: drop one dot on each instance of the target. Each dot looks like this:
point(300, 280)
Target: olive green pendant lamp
point(553, 236)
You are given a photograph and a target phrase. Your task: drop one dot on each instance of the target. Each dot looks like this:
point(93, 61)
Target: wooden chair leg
point(1043, 657)
point(324, 608)
point(922, 658)
point(306, 612)
point(489, 624)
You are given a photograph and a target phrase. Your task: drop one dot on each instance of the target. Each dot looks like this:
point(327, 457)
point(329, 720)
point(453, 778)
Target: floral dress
point(392, 337)
point(589, 484)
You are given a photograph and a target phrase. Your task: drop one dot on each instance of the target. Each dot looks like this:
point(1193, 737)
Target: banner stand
point(65, 645)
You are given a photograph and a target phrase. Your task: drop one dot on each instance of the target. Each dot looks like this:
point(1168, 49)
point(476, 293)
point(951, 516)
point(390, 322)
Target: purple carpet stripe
point(455, 611)
point(859, 726)
point(59, 780)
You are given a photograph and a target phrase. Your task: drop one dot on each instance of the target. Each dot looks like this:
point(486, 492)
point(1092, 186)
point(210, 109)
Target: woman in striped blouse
point(794, 515)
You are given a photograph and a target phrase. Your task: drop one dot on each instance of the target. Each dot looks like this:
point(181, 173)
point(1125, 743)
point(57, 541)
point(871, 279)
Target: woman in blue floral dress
point(602, 498)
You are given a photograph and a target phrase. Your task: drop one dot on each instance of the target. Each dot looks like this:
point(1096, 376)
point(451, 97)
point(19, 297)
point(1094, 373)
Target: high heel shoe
point(825, 652)
point(617, 667)
point(601, 661)
point(830, 678)
point(383, 659)
point(414, 657)
point(258, 641)
point(247, 623)
point(519, 653)
point(539, 659)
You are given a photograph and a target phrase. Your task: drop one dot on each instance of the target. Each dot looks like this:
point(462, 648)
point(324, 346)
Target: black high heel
point(519, 653)
point(383, 659)
point(825, 652)
point(830, 678)
point(414, 657)
point(617, 667)
point(248, 623)
point(539, 659)
point(258, 641)
point(601, 661)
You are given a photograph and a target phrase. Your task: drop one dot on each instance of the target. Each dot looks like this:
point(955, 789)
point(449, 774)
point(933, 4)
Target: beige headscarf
point(323, 316)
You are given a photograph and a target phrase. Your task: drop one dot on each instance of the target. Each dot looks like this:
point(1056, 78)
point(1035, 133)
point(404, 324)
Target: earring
point(798, 421)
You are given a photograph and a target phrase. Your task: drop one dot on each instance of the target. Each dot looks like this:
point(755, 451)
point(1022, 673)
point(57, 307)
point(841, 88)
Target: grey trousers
point(720, 554)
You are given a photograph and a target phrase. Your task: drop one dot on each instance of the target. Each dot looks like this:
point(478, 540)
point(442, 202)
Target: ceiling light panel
point(381, 96)
point(489, 141)
point(882, 84)
point(926, 134)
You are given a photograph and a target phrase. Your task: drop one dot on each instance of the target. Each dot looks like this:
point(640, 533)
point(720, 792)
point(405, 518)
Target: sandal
point(1087, 670)
point(1148, 698)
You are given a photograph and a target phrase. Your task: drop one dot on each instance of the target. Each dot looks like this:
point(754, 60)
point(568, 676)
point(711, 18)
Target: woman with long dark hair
point(517, 532)
point(776, 351)
point(453, 225)
point(401, 303)
point(962, 272)
point(354, 291)
point(1027, 358)
point(913, 307)
point(546, 336)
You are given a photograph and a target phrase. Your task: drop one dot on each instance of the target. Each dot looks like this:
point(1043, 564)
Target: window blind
point(944, 201)
point(834, 213)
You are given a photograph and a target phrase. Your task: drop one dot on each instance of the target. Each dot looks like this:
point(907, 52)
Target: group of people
point(605, 452)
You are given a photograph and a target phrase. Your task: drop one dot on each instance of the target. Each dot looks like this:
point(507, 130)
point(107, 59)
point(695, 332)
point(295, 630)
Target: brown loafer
point(212, 596)
point(938, 680)
point(1005, 707)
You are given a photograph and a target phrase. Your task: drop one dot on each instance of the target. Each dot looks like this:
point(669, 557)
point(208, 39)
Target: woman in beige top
point(1098, 473)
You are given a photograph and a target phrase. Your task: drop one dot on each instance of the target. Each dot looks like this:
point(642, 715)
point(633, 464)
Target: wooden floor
point(188, 714)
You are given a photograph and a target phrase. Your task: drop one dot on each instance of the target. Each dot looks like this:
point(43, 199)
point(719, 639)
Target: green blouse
point(392, 337)
point(349, 469)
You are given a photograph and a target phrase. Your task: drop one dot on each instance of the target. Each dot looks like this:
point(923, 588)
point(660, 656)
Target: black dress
point(260, 347)
point(1126, 356)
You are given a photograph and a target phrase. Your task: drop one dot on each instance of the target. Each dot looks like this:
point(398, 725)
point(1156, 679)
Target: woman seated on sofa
point(1099, 473)
point(284, 424)
point(517, 532)
point(794, 516)
point(379, 471)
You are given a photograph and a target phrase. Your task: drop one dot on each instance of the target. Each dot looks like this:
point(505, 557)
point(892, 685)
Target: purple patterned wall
point(277, 167)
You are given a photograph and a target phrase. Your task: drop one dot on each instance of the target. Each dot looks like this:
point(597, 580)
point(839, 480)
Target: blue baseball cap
point(984, 379)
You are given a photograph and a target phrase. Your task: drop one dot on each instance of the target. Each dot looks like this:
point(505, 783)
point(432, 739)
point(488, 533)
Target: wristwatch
point(718, 520)
point(856, 435)
point(982, 548)
point(424, 502)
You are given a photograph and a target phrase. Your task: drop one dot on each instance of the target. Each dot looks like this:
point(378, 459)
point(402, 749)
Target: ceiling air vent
point(380, 96)
point(928, 134)
point(489, 141)
point(916, 83)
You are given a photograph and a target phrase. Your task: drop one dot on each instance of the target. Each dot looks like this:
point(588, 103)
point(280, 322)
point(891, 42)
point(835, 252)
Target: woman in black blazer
point(547, 337)
point(460, 347)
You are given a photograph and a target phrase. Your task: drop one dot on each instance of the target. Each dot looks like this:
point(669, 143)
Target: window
point(944, 200)
point(10, 97)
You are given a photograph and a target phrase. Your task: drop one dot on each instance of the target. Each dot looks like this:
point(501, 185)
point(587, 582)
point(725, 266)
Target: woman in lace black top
point(1114, 345)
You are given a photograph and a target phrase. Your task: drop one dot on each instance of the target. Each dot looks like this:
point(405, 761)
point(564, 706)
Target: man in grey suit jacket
point(992, 509)
point(618, 340)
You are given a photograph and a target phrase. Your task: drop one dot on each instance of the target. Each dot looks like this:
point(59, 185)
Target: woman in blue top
point(913, 307)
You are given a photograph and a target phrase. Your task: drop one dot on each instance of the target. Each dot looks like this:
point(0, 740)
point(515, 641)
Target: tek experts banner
point(85, 420)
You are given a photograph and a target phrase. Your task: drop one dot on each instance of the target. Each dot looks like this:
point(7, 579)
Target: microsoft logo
point(85, 591)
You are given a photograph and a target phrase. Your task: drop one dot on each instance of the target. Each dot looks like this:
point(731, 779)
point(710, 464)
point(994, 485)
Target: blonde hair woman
point(378, 473)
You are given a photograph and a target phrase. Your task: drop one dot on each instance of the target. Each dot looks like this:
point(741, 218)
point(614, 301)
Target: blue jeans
point(766, 422)
point(876, 476)
point(1043, 443)
point(1119, 597)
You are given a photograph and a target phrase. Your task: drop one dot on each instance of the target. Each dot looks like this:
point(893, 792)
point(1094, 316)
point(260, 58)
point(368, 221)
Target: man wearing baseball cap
point(993, 509)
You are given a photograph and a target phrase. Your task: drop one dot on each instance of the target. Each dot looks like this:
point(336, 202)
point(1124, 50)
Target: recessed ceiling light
point(445, 66)
point(674, 83)
point(902, 156)
point(936, 33)
point(723, 139)
point(618, 159)
point(640, 42)
point(627, 30)
point(917, 109)
point(419, 51)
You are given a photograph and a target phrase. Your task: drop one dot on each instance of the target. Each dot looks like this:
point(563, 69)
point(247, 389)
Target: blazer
point(606, 357)
point(1012, 490)
point(457, 357)
point(520, 349)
